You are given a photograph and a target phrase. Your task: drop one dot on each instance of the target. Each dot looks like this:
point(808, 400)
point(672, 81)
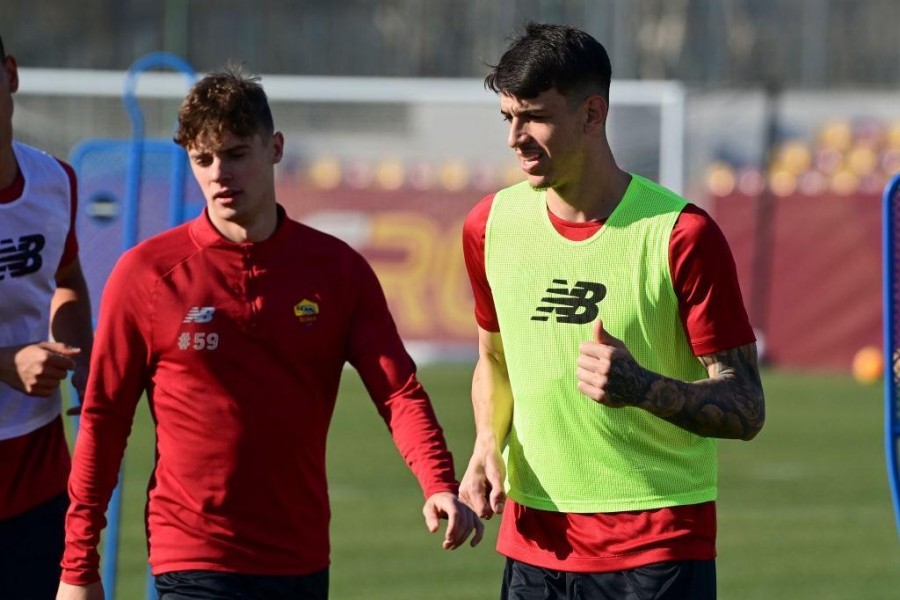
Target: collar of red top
point(205, 234)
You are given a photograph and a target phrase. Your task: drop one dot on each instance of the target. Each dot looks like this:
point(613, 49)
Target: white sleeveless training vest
point(33, 231)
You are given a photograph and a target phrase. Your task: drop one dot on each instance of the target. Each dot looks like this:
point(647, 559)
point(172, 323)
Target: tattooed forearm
point(730, 404)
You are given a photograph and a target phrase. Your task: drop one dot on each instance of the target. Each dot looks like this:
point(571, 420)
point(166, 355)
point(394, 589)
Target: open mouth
point(529, 160)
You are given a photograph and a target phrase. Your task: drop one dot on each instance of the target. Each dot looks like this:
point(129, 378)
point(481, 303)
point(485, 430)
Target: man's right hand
point(37, 369)
point(92, 591)
point(482, 485)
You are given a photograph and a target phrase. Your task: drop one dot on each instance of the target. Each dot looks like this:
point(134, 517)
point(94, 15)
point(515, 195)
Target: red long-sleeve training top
point(240, 349)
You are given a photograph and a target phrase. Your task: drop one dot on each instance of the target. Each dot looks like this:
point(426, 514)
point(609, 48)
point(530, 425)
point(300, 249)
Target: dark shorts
point(31, 547)
point(682, 580)
point(213, 585)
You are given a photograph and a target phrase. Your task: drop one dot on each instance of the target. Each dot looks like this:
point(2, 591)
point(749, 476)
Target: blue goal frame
point(127, 214)
point(891, 272)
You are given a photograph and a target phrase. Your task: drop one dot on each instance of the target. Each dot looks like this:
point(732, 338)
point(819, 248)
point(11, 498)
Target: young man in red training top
point(42, 292)
point(238, 325)
point(613, 347)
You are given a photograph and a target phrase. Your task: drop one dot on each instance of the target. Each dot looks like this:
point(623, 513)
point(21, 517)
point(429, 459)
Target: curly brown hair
point(227, 100)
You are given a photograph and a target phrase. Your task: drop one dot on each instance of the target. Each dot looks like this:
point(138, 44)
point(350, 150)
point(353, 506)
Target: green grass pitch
point(804, 510)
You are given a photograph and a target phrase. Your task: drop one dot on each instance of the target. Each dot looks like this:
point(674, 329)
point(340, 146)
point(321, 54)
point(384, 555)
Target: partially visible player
point(613, 348)
point(238, 325)
point(42, 293)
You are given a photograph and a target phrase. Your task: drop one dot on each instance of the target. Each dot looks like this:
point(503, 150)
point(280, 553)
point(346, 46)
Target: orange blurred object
point(868, 365)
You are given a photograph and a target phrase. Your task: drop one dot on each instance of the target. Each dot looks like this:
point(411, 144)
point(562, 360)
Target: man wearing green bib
point(614, 348)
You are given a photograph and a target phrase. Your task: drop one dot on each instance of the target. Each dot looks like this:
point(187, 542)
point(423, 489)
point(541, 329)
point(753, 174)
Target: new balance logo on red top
point(200, 314)
point(576, 306)
point(22, 257)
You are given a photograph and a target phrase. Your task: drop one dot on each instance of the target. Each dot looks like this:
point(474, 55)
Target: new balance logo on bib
point(578, 305)
point(21, 258)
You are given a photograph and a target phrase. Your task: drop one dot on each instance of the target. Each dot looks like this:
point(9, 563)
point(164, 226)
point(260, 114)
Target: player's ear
point(12, 72)
point(277, 147)
point(596, 108)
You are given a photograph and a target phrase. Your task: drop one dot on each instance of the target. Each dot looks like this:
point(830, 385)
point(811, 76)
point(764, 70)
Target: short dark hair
point(545, 56)
point(228, 100)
